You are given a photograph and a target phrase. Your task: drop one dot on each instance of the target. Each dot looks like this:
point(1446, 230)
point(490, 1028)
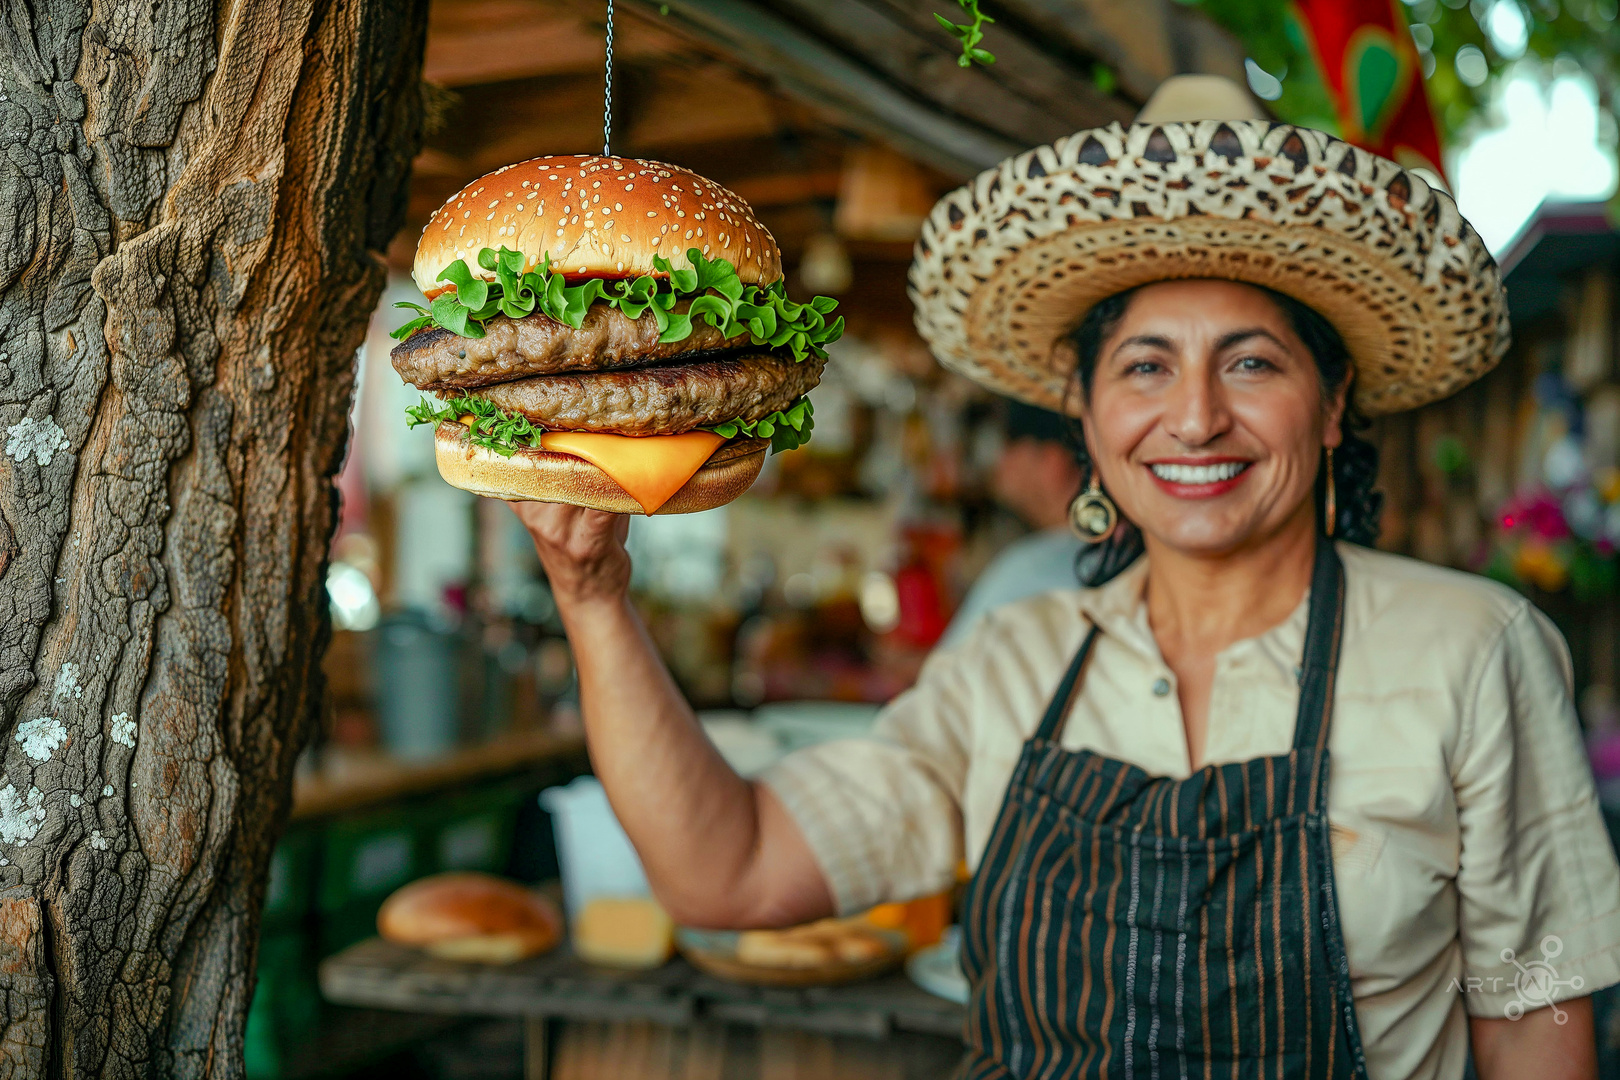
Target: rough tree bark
point(193, 198)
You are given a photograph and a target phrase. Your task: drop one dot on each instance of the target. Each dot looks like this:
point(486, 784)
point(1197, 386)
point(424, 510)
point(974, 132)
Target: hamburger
point(610, 333)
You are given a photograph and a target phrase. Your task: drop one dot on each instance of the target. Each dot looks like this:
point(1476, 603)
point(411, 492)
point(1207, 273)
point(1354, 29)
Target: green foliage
point(969, 34)
point(1583, 31)
point(718, 297)
point(493, 428)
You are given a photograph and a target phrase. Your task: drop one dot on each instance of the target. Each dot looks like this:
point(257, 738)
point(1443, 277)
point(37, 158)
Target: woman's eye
point(1144, 367)
point(1255, 363)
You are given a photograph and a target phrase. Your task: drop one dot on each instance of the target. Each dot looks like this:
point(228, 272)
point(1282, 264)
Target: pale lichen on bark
point(191, 216)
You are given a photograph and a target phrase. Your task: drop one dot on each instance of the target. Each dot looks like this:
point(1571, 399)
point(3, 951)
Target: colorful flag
point(1371, 68)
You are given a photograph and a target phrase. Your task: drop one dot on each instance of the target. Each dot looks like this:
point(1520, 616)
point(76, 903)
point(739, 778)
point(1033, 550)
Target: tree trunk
point(193, 199)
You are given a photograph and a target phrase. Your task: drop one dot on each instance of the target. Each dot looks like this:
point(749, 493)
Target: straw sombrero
point(1011, 262)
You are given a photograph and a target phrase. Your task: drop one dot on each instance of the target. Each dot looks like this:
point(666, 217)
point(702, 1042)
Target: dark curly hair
point(1355, 460)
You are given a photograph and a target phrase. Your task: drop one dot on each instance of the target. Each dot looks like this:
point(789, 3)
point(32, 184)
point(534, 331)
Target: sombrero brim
point(1010, 263)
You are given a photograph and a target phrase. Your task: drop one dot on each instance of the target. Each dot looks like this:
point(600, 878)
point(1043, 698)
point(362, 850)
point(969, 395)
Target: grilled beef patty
point(437, 359)
point(663, 400)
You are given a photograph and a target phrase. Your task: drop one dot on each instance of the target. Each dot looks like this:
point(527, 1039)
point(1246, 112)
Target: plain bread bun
point(543, 476)
point(596, 217)
point(467, 916)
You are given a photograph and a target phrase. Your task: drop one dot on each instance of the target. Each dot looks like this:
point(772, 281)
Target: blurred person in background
point(1258, 799)
point(1036, 477)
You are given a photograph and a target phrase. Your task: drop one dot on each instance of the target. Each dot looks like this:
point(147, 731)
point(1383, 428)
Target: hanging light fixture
point(825, 267)
point(882, 195)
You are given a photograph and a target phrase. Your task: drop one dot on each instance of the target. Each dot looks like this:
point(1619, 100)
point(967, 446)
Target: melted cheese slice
point(650, 468)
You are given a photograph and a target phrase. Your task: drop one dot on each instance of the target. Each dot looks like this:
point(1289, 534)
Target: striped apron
point(1124, 925)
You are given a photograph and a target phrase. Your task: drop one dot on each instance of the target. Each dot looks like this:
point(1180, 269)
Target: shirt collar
point(1119, 608)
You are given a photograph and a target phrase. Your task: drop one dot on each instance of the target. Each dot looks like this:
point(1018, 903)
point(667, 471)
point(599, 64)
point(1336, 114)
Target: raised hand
point(582, 551)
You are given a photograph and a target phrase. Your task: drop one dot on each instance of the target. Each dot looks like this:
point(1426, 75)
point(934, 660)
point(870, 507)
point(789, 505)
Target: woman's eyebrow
point(1152, 341)
point(1235, 337)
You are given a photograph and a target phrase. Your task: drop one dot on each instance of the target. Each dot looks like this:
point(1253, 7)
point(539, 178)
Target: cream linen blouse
point(1464, 821)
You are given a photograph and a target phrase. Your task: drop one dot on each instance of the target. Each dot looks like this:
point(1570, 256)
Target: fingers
point(557, 523)
point(581, 550)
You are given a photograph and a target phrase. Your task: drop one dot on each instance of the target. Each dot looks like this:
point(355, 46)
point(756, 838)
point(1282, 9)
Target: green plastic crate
point(289, 890)
point(286, 1009)
point(366, 857)
point(473, 830)
point(363, 859)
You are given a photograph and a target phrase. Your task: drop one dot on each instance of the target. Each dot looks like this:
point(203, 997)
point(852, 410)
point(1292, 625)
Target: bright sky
point(1545, 145)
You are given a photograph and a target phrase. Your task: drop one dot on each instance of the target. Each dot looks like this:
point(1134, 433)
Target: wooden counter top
point(558, 985)
point(350, 780)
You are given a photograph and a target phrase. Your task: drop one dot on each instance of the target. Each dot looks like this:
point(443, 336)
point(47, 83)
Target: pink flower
point(1540, 514)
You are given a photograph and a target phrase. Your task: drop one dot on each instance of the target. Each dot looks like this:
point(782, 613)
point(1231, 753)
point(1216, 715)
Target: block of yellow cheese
point(650, 469)
point(631, 932)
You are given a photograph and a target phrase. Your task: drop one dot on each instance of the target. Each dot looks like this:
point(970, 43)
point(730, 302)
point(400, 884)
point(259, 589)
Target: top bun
point(596, 217)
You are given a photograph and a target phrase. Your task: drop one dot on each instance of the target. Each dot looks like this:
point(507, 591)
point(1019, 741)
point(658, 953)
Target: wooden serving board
point(715, 952)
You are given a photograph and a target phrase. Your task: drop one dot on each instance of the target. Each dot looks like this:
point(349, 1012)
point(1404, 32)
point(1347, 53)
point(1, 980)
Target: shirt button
point(1161, 687)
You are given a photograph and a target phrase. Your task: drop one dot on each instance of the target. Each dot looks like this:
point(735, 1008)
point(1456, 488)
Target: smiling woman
point(1258, 799)
point(1250, 338)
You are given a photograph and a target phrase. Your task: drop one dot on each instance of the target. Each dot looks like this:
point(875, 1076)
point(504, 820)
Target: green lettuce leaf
point(492, 428)
point(788, 429)
point(718, 297)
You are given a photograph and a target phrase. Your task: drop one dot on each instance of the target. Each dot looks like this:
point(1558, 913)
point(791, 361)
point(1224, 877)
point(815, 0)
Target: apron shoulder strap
point(1058, 710)
point(1323, 633)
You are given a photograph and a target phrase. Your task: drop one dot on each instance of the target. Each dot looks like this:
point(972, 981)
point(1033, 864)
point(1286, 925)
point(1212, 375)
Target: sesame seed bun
point(542, 476)
point(596, 217)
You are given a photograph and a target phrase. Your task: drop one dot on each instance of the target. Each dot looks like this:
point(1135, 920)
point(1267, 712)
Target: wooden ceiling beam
point(1131, 36)
point(1027, 94)
point(848, 92)
point(472, 42)
point(787, 188)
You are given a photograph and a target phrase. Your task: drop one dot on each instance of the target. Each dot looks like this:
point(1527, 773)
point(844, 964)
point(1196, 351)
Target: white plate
point(938, 968)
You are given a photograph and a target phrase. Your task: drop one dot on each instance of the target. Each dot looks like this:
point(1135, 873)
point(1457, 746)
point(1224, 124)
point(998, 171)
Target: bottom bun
point(543, 476)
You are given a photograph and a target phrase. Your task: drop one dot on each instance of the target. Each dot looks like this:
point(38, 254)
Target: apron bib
point(1125, 925)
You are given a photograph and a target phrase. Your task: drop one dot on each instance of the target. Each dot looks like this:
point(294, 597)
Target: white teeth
point(1199, 474)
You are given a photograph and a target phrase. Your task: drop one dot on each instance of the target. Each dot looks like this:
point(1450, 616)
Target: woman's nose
point(1196, 412)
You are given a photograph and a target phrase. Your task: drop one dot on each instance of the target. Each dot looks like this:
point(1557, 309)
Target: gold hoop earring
point(1092, 514)
point(1332, 501)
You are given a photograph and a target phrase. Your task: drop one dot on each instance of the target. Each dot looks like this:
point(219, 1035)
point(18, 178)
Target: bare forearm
point(1537, 1044)
point(694, 821)
point(718, 850)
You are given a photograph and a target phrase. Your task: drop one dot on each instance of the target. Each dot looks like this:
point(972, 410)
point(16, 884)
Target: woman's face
point(1206, 417)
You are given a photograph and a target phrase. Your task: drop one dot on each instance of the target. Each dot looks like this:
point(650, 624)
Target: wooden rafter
point(845, 89)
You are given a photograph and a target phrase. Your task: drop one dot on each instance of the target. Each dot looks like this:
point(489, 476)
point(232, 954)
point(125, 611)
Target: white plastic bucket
point(595, 855)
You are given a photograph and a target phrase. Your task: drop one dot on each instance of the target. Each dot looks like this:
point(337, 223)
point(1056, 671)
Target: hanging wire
point(607, 89)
